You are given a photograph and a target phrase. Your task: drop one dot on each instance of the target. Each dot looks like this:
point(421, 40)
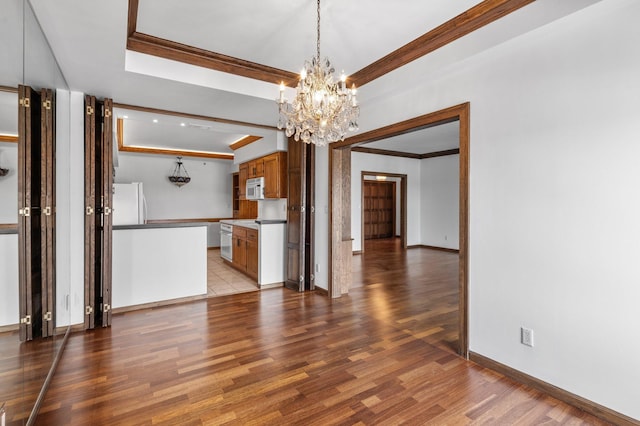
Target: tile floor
point(223, 279)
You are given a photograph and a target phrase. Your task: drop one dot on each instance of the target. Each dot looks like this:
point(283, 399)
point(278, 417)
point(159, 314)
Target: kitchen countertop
point(253, 223)
point(161, 225)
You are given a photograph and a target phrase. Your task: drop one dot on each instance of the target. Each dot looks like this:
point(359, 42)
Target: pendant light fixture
point(324, 109)
point(180, 176)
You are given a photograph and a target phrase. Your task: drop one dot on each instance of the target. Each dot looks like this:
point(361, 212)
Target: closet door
point(47, 212)
point(36, 212)
point(300, 213)
point(106, 208)
point(29, 237)
point(98, 218)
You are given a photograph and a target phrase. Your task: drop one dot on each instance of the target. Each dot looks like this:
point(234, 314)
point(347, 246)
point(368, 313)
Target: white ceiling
point(283, 34)
point(153, 130)
point(89, 41)
point(433, 139)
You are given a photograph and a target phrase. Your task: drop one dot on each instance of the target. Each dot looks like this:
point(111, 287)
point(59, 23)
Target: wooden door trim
point(460, 113)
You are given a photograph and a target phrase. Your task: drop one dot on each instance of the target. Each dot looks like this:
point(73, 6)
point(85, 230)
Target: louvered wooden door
point(36, 212)
point(98, 209)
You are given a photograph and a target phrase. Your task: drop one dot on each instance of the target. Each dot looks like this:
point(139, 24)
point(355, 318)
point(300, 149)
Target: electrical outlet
point(526, 336)
point(316, 267)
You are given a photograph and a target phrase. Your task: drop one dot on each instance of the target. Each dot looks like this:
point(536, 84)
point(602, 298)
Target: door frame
point(403, 206)
point(460, 113)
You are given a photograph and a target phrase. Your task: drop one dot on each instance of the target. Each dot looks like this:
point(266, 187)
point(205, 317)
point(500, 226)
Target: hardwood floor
point(23, 369)
point(381, 355)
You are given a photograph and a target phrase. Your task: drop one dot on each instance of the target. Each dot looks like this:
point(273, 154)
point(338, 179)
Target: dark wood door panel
point(379, 209)
point(98, 209)
point(36, 208)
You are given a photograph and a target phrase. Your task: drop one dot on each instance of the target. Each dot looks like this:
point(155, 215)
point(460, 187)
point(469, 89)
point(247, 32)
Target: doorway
point(383, 208)
point(339, 172)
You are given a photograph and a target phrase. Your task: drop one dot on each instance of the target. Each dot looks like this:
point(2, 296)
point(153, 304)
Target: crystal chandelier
point(323, 109)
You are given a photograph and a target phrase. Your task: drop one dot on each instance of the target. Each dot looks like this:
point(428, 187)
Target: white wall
point(9, 301)
point(439, 203)
point(9, 183)
point(207, 195)
point(321, 219)
point(554, 227)
point(273, 142)
point(380, 163)
point(76, 207)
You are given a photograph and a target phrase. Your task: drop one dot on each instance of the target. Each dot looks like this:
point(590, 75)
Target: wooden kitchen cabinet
point(275, 175)
point(242, 209)
point(243, 174)
point(240, 248)
point(260, 253)
point(273, 168)
point(252, 253)
point(255, 168)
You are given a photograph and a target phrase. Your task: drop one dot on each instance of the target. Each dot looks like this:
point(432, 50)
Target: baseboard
point(590, 407)
point(321, 291)
point(448, 250)
point(9, 328)
point(158, 304)
point(356, 252)
point(213, 248)
point(73, 328)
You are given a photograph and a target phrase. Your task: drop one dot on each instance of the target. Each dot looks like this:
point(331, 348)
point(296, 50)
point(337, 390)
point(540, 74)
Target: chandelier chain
point(318, 31)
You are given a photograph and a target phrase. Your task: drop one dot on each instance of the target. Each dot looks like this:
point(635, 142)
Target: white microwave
point(255, 189)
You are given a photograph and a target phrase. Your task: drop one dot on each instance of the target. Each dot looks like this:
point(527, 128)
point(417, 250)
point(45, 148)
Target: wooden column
point(341, 243)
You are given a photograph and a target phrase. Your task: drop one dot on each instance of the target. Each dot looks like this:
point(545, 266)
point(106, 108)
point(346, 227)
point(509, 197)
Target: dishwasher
point(226, 243)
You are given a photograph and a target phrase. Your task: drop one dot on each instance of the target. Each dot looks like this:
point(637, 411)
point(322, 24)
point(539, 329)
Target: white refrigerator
point(129, 206)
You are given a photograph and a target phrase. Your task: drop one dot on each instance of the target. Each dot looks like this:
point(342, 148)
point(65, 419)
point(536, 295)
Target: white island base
point(153, 264)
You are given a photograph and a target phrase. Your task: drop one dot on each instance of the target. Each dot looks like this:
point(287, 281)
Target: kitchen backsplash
point(272, 209)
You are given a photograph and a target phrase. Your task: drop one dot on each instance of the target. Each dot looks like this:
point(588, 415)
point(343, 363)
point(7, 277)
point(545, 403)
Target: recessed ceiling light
point(155, 120)
point(183, 124)
point(125, 116)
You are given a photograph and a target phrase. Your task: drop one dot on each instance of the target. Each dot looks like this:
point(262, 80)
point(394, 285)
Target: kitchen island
point(158, 263)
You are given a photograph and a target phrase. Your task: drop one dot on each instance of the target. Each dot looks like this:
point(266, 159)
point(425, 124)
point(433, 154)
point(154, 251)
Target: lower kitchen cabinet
point(240, 248)
point(252, 253)
point(259, 253)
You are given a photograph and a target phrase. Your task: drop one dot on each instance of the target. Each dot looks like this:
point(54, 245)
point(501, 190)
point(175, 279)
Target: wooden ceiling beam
point(478, 16)
point(151, 45)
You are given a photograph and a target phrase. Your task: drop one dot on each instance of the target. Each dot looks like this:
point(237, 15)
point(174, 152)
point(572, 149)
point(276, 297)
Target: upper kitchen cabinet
point(275, 175)
point(243, 175)
point(242, 208)
point(256, 168)
point(272, 167)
